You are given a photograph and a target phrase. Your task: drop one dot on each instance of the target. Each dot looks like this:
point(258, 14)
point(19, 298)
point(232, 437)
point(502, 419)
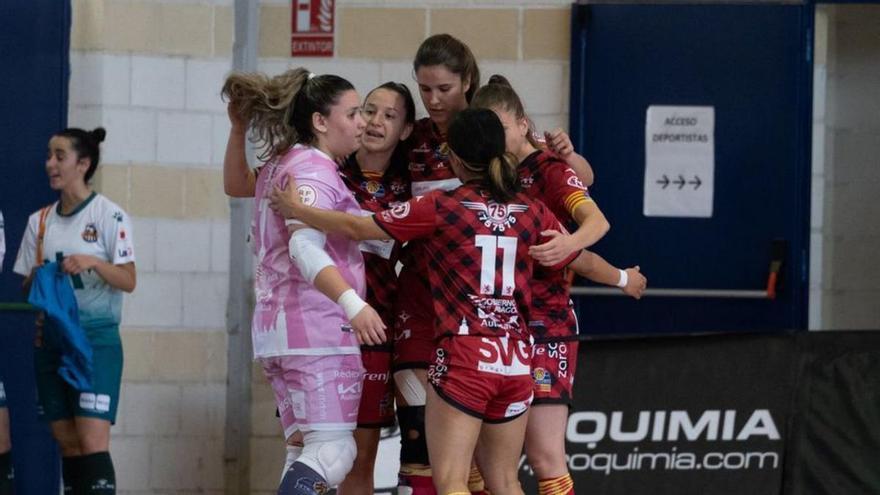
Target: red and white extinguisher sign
point(312, 28)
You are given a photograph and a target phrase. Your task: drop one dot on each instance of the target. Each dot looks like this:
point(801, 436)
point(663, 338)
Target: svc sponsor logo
point(509, 357)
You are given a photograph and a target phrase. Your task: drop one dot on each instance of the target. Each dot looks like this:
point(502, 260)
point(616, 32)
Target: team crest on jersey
point(527, 181)
point(90, 233)
point(573, 181)
point(397, 210)
point(307, 194)
point(398, 187)
point(441, 153)
point(542, 379)
point(118, 216)
point(496, 216)
point(374, 188)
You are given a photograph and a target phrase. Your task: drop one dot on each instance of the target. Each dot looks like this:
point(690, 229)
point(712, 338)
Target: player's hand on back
point(558, 141)
point(285, 200)
point(554, 251)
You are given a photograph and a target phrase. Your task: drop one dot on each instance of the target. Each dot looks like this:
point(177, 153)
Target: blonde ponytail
point(266, 104)
point(502, 179)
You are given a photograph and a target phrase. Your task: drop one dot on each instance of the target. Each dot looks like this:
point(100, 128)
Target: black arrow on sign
point(696, 182)
point(665, 181)
point(680, 181)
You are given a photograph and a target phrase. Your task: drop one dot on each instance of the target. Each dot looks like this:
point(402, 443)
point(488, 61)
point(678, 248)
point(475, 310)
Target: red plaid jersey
point(429, 170)
point(377, 192)
point(477, 257)
point(546, 176)
point(429, 159)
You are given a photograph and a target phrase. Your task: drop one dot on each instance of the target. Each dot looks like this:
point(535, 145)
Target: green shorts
point(58, 400)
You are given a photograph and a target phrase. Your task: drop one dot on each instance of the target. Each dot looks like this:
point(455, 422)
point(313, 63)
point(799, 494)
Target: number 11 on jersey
point(489, 245)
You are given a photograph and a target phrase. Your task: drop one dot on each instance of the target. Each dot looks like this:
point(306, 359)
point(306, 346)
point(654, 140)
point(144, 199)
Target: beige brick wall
point(849, 234)
point(490, 33)
point(150, 71)
point(528, 41)
point(145, 26)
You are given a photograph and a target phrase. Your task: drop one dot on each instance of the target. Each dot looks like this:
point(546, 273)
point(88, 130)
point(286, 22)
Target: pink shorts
point(316, 392)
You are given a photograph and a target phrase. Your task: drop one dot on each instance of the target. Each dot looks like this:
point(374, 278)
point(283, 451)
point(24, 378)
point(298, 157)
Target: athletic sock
point(70, 473)
point(476, 484)
point(302, 480)
point(562, 485)
point(415, 484)
point(7, 474)
point(96, 475)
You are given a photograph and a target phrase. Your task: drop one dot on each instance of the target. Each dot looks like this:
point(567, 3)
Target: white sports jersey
point(98, 227)
point(2, 242)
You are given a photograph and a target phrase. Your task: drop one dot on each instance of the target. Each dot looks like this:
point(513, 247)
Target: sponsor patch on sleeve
point(307, 194)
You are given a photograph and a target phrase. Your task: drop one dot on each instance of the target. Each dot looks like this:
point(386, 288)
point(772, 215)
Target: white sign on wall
point(679, 161)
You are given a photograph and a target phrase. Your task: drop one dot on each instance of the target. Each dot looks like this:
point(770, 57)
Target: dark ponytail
point(86, 144)
point(476, 136)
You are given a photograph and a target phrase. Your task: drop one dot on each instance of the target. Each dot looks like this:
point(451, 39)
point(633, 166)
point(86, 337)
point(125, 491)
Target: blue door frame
point(738, 58)
point(34, 56)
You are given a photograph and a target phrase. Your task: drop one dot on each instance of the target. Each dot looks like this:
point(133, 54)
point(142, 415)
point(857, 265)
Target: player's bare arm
point(595, 268)
point(287, 203)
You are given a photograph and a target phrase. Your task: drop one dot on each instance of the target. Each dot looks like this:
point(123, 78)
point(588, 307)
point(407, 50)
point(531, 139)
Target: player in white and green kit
point(91, 238)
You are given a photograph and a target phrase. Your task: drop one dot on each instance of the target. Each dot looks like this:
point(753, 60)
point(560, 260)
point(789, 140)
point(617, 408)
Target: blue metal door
point(34, 57)
point(752, 64)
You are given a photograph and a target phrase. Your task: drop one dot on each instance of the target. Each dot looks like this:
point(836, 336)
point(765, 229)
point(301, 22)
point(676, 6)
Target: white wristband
point(351, 303)
point(624, 279)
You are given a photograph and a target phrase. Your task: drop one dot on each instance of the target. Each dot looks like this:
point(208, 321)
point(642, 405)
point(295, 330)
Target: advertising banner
point(834, 442)
point(691, 415)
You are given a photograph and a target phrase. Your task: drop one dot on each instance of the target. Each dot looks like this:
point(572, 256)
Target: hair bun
point(499, 80)
point(99, 134)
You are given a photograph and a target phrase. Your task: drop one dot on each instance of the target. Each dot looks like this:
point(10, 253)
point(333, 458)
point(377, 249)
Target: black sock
point(7, 474)
point(70, 473)
point(96, 475)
